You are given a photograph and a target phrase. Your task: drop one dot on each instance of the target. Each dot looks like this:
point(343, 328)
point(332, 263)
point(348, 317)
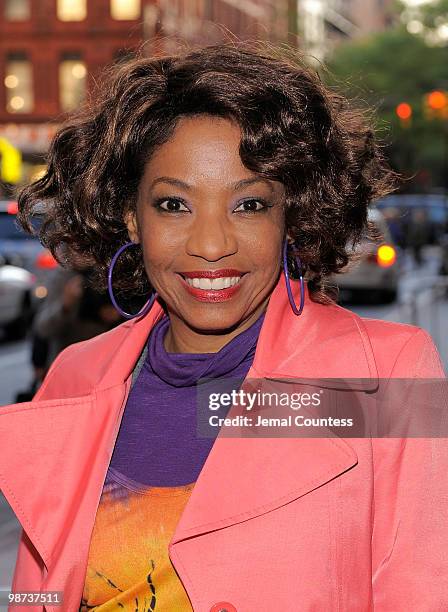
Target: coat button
point(223, 606)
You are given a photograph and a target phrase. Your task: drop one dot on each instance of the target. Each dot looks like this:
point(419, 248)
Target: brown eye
point(252, 205)
point(171, 205)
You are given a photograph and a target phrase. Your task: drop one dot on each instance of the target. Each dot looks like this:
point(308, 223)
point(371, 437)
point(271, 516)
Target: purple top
point(157, 444)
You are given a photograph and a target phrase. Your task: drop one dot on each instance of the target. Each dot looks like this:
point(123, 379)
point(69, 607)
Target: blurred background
point(389, 55)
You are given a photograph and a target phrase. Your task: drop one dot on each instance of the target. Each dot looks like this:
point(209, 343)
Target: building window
point(19, 84)
point(72, 10)
point(17, 10)
point(72, 82)
point(125, 9)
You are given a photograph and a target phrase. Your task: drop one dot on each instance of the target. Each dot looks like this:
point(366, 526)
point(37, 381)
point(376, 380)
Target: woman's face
point(211, 230)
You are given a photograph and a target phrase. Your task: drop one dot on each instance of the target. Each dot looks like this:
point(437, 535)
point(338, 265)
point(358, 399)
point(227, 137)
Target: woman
point(214, 182)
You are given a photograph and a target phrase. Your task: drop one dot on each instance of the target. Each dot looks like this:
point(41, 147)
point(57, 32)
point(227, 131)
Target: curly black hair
point(294, 130)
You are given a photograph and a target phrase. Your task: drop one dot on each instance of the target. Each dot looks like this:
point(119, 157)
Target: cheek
point(161, 243)
point(263, 245)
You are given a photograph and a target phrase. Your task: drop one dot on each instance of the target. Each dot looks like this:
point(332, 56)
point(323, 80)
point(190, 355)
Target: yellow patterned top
point(128, 566)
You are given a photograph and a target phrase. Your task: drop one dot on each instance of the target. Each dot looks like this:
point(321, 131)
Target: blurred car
point(17, 286)
point(21, 250)
point(376, 273)
point(407, 209)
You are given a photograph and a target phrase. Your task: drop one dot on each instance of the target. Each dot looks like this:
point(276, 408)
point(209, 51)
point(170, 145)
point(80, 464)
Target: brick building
point(208, 21)
point(51, 50)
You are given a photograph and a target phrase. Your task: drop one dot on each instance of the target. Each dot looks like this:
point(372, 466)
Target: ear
point(130, 220)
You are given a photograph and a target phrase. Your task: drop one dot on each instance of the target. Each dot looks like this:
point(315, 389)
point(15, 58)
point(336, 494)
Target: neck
point(180, 338)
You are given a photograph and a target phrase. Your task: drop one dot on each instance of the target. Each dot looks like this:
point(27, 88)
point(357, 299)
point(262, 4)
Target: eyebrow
point(235, 186)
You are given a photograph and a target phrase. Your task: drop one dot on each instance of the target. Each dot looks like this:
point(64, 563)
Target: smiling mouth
point(212, 284)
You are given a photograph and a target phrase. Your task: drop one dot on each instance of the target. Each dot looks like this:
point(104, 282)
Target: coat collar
point(56, 449)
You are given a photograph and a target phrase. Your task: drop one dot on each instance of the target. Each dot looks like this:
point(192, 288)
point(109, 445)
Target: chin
point(216, 320)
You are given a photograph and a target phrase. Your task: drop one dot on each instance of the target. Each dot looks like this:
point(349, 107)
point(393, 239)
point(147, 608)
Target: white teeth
point(213, 283)
point(205, 283)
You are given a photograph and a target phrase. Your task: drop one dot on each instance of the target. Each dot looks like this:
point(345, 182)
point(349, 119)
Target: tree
point(385, 70)
point(430, 20)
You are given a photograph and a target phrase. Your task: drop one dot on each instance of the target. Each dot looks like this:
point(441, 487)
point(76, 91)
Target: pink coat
point(284, 524)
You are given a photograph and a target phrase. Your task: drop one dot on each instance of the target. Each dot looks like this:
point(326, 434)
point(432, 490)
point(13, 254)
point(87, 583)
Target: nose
point(211, 237)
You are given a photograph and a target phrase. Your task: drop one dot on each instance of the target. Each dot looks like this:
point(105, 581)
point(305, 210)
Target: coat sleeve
point(410, 526)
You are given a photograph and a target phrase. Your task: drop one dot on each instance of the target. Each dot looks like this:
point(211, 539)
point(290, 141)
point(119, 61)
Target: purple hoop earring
point(124, 314)
point(288, 286)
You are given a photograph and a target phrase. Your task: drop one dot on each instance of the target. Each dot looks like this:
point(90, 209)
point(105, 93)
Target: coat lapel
point(56, 450)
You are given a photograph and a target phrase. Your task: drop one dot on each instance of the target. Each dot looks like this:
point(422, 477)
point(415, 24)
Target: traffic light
point(404, 113)
point(10, 162)
point(436, 105)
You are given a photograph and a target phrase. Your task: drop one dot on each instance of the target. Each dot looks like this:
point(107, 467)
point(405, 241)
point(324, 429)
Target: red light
point(386, 255)
point(404, 111)
point(437, 100)
point(12, 208)
point(46, 261)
